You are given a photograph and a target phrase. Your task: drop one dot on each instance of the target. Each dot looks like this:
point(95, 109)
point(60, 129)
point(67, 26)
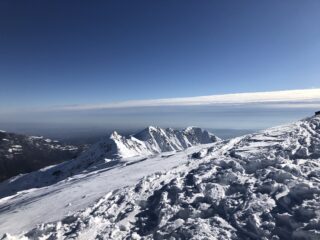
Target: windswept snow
point(27, 208)
point(110, 152)
point(260, 186)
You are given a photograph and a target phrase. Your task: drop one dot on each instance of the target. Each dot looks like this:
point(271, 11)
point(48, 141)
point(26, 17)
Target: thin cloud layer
point(289, 98)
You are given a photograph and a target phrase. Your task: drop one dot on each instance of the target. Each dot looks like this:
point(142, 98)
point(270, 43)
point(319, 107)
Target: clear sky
point(89, 52)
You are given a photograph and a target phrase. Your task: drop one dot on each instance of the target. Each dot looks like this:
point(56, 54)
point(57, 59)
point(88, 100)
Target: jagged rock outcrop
point(149, 141)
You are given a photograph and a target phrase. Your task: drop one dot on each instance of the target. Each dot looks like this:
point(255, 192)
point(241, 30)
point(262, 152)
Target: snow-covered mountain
point(109, 152)
point(21, 154)
point(165, 140)
point(260, 186)
point(149, 141)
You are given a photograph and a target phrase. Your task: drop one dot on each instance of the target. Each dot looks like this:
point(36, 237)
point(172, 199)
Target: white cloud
point(291, 98)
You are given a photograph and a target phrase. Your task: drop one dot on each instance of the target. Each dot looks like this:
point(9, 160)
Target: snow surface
point(260, 186)
point(26, 209)
point(110, 152)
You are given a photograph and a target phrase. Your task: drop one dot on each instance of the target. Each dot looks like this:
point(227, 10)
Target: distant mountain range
point(149, 141)
point(23, 154)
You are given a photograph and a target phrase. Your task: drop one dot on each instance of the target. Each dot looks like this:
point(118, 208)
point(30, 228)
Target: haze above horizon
point(82, 55)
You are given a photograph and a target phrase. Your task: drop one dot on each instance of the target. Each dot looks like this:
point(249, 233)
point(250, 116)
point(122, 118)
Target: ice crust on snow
point(260, 186)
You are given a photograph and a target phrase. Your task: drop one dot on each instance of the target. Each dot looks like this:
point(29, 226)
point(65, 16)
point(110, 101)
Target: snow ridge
point(150, 141)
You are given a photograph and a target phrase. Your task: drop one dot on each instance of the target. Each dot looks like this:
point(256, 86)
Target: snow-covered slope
point(109, 152)
point(25, 209)
point(260, 186)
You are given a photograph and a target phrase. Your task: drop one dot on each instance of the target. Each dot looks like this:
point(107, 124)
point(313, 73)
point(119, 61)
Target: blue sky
point(56, 53)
